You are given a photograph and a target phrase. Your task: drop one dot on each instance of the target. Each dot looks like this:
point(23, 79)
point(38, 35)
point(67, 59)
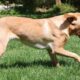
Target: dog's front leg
point(52, 55)
point(59, 48)
point(62, 51)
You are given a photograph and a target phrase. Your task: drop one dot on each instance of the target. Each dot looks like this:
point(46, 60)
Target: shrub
point(55, 10)
point(64, 8)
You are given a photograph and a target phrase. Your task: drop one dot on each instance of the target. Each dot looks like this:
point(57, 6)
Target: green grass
point(21, 62)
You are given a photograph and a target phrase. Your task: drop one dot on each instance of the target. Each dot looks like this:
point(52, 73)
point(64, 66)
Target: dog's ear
point(70, 17)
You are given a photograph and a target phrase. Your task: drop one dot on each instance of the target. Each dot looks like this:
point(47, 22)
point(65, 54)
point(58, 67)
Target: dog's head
point(73, 19)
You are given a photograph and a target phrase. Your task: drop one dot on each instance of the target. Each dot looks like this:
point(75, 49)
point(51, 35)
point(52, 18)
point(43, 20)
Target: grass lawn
point(21, 62)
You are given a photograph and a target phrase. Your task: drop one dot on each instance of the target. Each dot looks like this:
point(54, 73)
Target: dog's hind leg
point(4, 38)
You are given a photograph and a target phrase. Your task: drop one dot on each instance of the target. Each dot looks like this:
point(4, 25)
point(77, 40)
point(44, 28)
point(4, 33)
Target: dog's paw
point(55, 64)
point(78, 59)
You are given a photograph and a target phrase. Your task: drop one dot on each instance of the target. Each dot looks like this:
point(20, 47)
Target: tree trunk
point(58, 2)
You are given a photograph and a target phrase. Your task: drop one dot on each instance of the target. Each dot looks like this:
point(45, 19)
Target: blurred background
point(39, 8)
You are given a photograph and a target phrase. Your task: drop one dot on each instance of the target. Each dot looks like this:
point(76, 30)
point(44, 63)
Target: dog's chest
point(36, 45)
point(40, 46)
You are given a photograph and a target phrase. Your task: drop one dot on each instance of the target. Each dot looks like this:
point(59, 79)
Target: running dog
point(50, 33)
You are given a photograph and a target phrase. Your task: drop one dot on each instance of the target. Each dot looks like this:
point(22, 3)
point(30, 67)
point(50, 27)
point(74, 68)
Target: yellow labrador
point(50, 33)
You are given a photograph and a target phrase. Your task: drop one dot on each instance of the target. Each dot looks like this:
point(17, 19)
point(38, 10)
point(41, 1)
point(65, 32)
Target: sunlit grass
point(21, 62)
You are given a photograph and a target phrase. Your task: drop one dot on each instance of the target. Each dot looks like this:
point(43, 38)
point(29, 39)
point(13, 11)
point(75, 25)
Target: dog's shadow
point(33, 63)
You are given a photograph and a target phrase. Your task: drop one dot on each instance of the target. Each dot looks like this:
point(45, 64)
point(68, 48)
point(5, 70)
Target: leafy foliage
point(64, 8)
point(55, 10)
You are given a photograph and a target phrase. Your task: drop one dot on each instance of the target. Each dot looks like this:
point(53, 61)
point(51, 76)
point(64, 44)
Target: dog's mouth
point(76, 32)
